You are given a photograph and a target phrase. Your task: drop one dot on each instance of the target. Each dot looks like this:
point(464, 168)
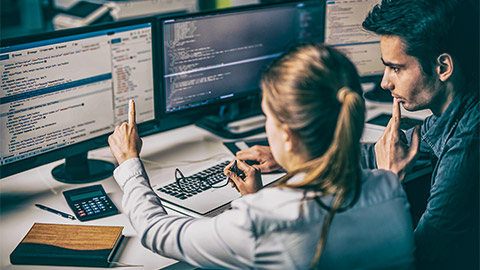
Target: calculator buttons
point(94, 206)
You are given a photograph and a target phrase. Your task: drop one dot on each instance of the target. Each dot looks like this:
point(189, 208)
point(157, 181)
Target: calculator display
point(86, 195)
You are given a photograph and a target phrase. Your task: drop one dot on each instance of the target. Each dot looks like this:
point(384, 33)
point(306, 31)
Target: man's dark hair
point(429, 28)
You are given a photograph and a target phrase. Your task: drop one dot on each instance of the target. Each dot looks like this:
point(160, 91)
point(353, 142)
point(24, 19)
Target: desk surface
point(161, 152)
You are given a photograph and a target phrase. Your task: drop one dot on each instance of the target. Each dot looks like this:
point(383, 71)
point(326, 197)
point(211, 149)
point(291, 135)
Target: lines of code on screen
point(62, 91)
point(344, 31)
point(215, 57)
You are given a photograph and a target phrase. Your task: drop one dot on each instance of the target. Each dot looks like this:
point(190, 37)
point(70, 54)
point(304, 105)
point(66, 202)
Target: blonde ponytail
point(315, 91)
point(341, 161)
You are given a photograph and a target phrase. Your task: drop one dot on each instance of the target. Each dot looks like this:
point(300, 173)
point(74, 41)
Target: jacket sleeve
point(224, 241)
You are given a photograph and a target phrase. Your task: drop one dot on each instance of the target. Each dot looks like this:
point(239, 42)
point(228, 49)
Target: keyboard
point(198, 182)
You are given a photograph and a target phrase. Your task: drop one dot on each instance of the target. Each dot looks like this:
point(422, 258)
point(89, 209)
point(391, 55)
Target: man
point(430, 51)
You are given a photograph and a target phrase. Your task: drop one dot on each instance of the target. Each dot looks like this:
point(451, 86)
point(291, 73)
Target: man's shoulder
point(460, 122)
point(468, 123)
point(472, 111)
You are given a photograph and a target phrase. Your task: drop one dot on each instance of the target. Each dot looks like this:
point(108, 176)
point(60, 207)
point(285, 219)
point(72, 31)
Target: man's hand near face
point(392, 151)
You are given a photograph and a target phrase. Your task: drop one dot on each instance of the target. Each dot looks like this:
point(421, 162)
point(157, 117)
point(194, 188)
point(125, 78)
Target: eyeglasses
point(210, 178)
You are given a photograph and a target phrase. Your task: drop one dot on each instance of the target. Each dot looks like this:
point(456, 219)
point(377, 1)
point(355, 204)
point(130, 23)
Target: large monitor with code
point(343, 30)
point(218, 58)
point(62, 95)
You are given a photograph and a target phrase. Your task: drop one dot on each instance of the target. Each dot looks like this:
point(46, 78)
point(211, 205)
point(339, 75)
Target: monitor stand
point(78, 169)
point(233, 130)
point(236, 120)
point(378, 94)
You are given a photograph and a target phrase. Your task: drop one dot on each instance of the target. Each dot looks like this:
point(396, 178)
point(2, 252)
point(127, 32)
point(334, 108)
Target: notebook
point(70, 245)
point(208, 201)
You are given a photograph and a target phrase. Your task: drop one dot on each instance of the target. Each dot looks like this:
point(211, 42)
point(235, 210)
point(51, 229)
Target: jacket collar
point(443, 127)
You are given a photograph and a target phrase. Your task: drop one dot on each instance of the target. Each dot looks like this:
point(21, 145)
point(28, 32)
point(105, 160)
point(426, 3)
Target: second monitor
point(218, 57)
point(343, 30)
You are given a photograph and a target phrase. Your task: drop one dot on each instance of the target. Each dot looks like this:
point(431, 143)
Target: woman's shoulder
point(270, 199)
point(371, 176)
point(276, 208)
point(379, 186)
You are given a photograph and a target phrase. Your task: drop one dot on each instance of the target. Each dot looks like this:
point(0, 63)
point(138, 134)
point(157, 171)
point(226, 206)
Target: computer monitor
point(343, 30)
point(218, 57)
point(63, 93)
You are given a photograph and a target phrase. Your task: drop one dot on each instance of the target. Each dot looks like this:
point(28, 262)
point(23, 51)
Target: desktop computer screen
point(59, 93)
point(212, 58)
point(343, 30)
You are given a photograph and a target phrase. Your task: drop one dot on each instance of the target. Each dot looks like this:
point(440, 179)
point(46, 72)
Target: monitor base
point(233, 130)
point(79, 169)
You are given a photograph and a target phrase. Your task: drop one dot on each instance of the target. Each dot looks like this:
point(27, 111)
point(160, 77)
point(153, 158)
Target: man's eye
point(395, 69)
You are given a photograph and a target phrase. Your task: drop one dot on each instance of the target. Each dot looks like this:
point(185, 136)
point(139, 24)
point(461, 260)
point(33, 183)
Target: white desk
point(19, 193)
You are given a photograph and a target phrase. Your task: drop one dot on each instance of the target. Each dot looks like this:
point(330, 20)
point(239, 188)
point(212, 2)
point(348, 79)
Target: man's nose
point(386, 83)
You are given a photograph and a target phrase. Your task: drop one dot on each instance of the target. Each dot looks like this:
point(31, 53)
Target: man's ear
point(444, 66)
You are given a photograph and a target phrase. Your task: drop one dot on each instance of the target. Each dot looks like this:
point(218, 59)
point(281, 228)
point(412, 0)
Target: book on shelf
point(70, 245)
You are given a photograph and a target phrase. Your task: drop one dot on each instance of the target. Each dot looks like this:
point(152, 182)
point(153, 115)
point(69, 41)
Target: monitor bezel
point(145, 128)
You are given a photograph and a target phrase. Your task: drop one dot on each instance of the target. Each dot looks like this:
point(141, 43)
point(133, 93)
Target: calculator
point(90, 202)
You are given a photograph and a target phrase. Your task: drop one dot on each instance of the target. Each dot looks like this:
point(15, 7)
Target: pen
point(236, 171)
point(232, 169)
point(65, 215)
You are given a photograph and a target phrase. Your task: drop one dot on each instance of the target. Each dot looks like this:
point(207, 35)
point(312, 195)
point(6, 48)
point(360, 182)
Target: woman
point(325, 213)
